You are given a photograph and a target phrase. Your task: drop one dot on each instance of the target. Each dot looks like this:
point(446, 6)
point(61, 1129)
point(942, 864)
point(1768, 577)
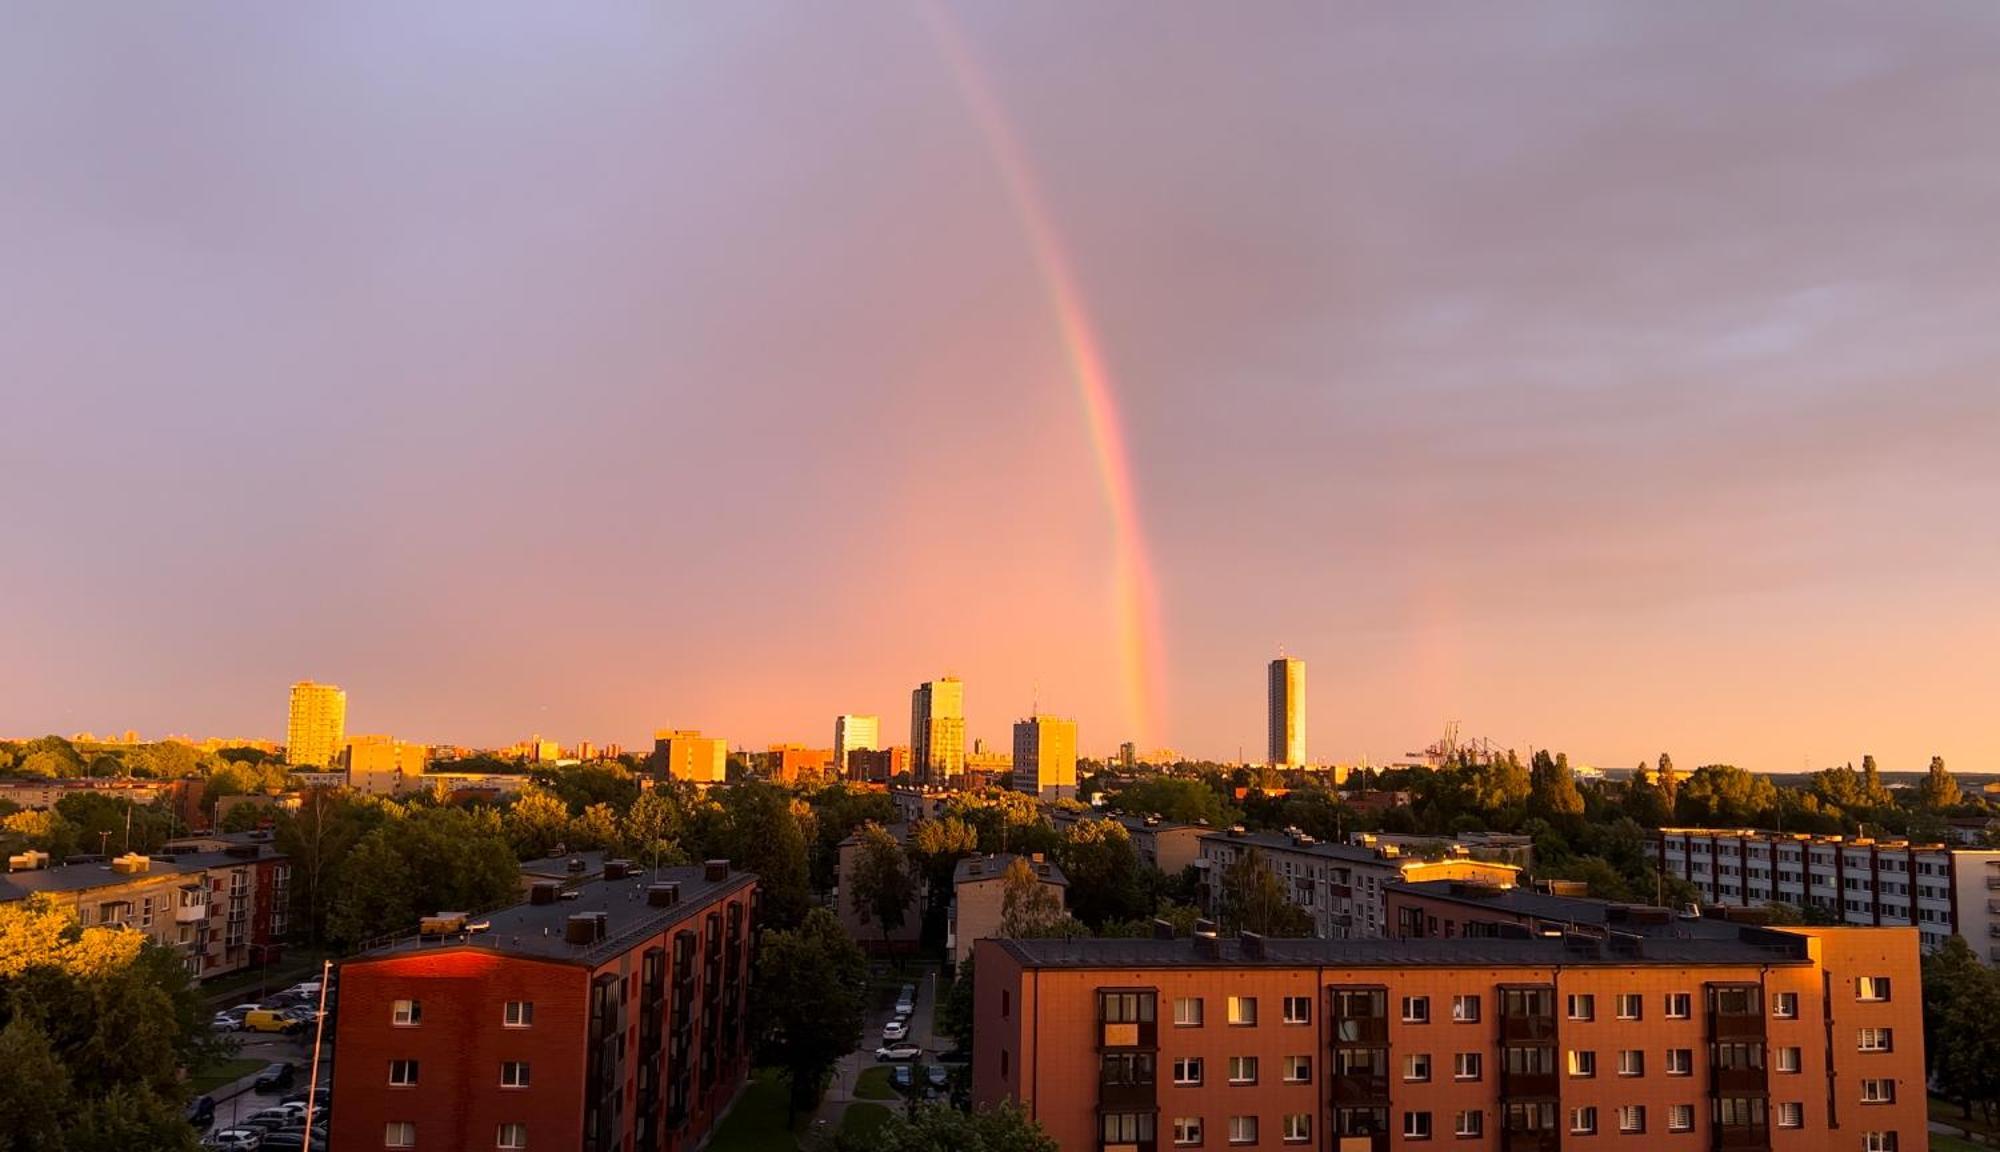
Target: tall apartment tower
point(1045, 757)
point(854, 732)
point(1288, 713)
point(317, 730)
point(937, 731)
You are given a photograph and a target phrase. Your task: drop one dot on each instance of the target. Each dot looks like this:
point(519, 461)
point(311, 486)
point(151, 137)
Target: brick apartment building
point(1941, 891)
point(608, 1016)
point(1338, 885)
point(1787, 1040)
point(222, 908)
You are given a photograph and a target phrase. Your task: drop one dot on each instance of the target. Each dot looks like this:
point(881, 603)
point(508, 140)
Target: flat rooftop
point(536, 930)
point(84, 877)
point(1581, 911)
point(1747, 946)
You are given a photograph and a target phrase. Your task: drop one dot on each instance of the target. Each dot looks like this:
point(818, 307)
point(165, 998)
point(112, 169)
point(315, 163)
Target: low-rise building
point(1786, 1040)
point(861, 922)
point(877, 765)
point(1338, 885)
point(1161, 844)
point(979, 892)
point(1444, 909)
point(690, 756)
point(385, 766)
point(1941, 891)
point(786, 763)
point(608, 1021)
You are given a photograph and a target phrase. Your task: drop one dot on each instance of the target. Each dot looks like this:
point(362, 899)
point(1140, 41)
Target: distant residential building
point(690, 756)
point(1286, 690)
point(221, 904)
point(985, 769)
point(600, 1023)
point(1045, 757)
point(854, 733)
point(1128, 755)
point(384, 766)
point(1161, 844)
point(1339, 885)
point(979, 890)
point(860, 922)
point(877, 765)
point(44, 792)
point(937, 730)
point(914, 803)
point(785, 763)
point(1941, 891)
point(317, 728)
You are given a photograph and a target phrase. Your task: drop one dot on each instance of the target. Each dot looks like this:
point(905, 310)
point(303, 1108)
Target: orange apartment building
point(606, 1015)
point(1742, 1040)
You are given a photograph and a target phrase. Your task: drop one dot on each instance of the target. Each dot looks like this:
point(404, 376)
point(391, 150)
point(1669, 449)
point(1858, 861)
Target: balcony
point(1729, 1027)
point(1379, 1142)
point(1361, 1032)
point(1527, 1029)
point(1143, 1034)
point(190, 913)
point(1530, 1085)
point(1121, 1097)
point(1741, 1138)
point(1126, 1146)
point(1538, 1140)
point(1360, 1091)
point(1739, 1081)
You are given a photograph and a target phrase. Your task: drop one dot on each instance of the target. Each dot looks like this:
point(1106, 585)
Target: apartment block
point(688, 755)
point(610, 1020)
point(877, 765)
point(1285, 692)
point(861, 922)
point(1339, 885)
point(223, 907)
point(854, 734)
point(1161, 844)
point(786, 763)
point(386, 766)
point(937, 730)
point(1939, 890)
point(316, 726)
point(1768, 1040)
point(979, 897)
point(1044, 761)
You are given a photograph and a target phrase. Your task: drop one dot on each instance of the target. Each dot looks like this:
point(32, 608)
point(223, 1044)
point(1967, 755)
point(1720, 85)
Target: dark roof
point(83, 877)
point(981, 868)
point(1749, 946)
point(1280, 841)
point(536, 930)
point(557, 867)
point(1575, 910)
point(1132, 823)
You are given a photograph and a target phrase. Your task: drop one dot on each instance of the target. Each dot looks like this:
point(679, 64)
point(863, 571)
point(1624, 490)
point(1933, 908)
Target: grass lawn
point(757, 1123)
point(1948, 1112)
point(862, 1120)
point(1954, 1144)
point(224, 1072)
point(873, 1084)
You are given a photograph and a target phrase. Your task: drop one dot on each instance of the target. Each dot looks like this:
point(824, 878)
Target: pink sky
point(1616, 378)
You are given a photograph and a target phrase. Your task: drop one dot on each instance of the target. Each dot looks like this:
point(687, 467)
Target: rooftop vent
point(663, 895)
point(576, 865)
point(1207, 946)
point(1163, 930)
point(616, 869)
point(543, 892)
point(28, 862)
point(131, 864)
point(1253, 946)
point(715, 870)
point(584, 928)
point(1236, 830)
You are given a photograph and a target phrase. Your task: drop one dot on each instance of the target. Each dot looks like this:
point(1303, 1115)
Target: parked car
point(287, 1142)
point(936, 1075)
point(898, 1052)
point(903, 1076)
point(275, 1078)
point(225, 1022)
point(268, 1020)
point(275, 1117)
point(321, 1098)
point(236, 1140)
point(896, 1029)
point(201, 1111)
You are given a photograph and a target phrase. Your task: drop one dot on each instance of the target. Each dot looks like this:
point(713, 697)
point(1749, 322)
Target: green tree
point(758, 826)
point(1938, 790)
point(1552, 786)
point(1966, 1064)
point(955, 1014)
point(579, 786)
point(937, 1128)
point(164, 760)
point(431, 860)
point(883, 885)
point(598, 827)
point(1669, 781)
point(1727, 795)
point(652, 827)
point(1180, 799)
point(44, 829)
point(1030, 908)
point(840, 810)
point(1872, 790)
point(319, 840)
point(1255, 900)
point(1103, 870)
point(808, 1007)
point(537, 823)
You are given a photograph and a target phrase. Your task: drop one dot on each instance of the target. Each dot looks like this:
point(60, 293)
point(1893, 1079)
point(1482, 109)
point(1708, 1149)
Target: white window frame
point(1291, 1065)
point(399, 1134)
point(1477, 1127)
point(1885, 1040)
point(1242, 1011)
point(1582, 1064)
point(1187, 1131)
point(1634, 1001)
point(1240, 1064)
point(511, 1134)
point(1304, 1004)
point(1680, 1117)
point(1298, 1127)
point(1242, 1129)
point(1459, 1071)
point(1191, 1018)
point(1583, 1120)
point(400, 1067)
point(1684, 1001)
point(1192, 1064)
point(1465, 1009)
point(406, 1013)
point(1417, 1068)
point(1634, 1112)
point(1788, 1114)
point(1582, 1006)
point(1687, 1066)
point(1872, 989)
point(1785, 1005)
point(1878, 1090)
point(1631, 1061)
point(518, 1014)
point(515, 1074)
point(1416, 1010)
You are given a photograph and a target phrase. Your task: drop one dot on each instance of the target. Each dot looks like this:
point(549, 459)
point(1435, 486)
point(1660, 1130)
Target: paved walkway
point(840, 1091)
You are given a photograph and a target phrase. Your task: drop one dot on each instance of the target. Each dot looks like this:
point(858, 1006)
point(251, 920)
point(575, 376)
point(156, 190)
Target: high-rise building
point(1288, 713)
point(1128, 755)
point(937, 731)
point(854, 732)
point(317, 730)
point(1045, 757)
point(688, 755)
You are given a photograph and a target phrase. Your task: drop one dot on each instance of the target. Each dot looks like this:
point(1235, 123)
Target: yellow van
point(266, 1020)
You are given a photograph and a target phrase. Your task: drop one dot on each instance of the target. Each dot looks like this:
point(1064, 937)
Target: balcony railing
point(1126, 1145)
point(1530, 1085)
point(1138, 1034)
point(1360, 1091)
point(1527, 1029)
point(1360, 1032)
point(1741, 1138)
point(1728, 1027)
point(1537, 1140)
point(1121, 1097)
point(1739, 1081)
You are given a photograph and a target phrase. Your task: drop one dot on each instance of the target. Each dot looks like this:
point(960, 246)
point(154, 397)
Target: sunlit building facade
point(317, 729)
point(937, 730)
point(1045, 757)
point(1287, 691)
point(854, 733)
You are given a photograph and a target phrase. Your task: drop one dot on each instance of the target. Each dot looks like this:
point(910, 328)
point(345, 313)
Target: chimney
point(580, 929)
point(615, 869)
point(1163, 929)
point(663, 895)
point(543, 892)
point(1207, 946)
point(715, 870)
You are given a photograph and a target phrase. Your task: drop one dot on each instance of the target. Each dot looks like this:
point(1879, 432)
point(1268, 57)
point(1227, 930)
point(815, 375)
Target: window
point(1877, 1040)
point(1465, 1066)
point(1298, 1010)
point(1416, 1009)
point(1582, 1064)
point(1785, 1059)
point(1631, 1062)
point(1878, 1091)
point(1632, 1118)
point(1003, 1062)
point(1298, 1069)
point(512, 1136)
point(1680, 1117)
point(1243, 1010)
point(407, 1013)
point(402, 1073)
point(1680, 1061)
point(1128, 1127)
point(399, 1134)
point(1187, 1131)
point(1126, 1068)
point(1298, 1127)
point(1878, 1142)
point(1465, 1009)
point(1583, 1121)
point(519, 1014)
point(514, 1074)
point(1125, 1007)
point(1187, 1012)
point(1187, 1070)
point(1631, 1006)
point(1417, 1067)
point(1582, 1006)
point(1680, 1006)
point(1416, 1125)
point(1471, 1123)
point(1006, 1003)
point(1785, 1005)
point(1242, 1129)
point(1872, 988)
point(1242, 1069)
point(1791, 1115)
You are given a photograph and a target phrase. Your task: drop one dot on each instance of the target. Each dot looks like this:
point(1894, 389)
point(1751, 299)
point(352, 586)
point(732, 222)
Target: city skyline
point(1641, 405)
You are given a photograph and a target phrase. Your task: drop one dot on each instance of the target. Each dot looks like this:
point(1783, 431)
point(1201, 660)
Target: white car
point(898, 1052)
point(236, 1140)
point(225, 1022)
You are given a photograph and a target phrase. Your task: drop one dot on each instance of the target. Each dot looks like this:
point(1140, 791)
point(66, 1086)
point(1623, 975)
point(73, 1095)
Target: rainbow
point(1140, 645)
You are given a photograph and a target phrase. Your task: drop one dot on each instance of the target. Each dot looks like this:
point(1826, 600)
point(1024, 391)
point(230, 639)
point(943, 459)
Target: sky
point(1613, 378)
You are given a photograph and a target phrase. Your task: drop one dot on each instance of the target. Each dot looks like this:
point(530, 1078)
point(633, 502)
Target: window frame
point(1416, 1010)
point(510, 1128)
point(406, 1013)
point(1237, 1017)
point(518, 1014)
point(1238, 1064)
point(509, 1066)
point(1198, 1015)
point(1417, 1124)
point(1458, 1069)
point(1304, 1003)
